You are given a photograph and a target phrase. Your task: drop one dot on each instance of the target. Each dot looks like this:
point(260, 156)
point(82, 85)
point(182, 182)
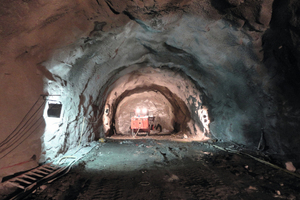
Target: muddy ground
point(151, 169)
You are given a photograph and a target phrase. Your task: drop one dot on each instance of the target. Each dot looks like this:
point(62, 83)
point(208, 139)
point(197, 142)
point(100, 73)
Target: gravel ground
point(151, 169)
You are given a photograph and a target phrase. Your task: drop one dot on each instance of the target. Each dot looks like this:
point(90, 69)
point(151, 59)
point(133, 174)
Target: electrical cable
point(27, 126)
point(17, 136)
point(23, 140)
point(257, 159)
point(74, 157)
point(21, 121)
point(4, 149)
point(11, 137)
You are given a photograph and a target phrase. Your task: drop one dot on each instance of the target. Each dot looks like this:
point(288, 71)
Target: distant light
point(144, 110)
point(138, 110)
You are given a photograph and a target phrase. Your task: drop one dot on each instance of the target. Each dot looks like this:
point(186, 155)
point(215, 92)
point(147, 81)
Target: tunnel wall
point(263, 36)
point(176, 87)
point(155, 104)
point(223, 69)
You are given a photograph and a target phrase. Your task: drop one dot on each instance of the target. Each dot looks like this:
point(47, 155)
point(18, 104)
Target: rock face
point(227, 68)
point(155, 103)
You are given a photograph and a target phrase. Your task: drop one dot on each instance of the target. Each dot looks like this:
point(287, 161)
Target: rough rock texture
point(155, 103)
point(236, 59)
point(149, 169)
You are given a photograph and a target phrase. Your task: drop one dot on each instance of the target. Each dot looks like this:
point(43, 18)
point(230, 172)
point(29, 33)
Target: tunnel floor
point(156, 135)
point(152, 169)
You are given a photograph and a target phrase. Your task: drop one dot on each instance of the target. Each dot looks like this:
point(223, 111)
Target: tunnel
point(150, 90)
point(76, 75)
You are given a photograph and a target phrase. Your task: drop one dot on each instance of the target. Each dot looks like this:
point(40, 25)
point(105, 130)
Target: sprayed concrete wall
point(238, 59)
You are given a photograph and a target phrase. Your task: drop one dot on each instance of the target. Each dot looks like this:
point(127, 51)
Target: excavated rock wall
point(242, 57)
point(155, 103)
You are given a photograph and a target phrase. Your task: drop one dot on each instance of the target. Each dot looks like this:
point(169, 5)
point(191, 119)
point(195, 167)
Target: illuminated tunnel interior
point(97, 82)
point(161, 91)
point(76, 74)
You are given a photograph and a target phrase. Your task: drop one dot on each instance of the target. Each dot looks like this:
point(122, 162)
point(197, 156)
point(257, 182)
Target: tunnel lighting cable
point(69, 166)
point(21, 136)
point(257, 159)
point(17, 133)
point(24, 138)
point(27, 126)
point(74, 157)
point(17, 136)
point(10, 137)
point(21, 121)
point(272, 165)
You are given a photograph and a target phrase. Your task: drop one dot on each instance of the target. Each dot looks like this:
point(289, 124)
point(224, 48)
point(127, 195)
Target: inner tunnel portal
point(166, 98)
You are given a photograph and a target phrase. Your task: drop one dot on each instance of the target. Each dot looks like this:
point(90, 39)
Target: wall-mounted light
point(54, 110)
point(107, 109)
point(54, 107)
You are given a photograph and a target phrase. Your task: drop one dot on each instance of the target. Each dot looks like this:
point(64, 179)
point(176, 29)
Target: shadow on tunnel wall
point(281, 56)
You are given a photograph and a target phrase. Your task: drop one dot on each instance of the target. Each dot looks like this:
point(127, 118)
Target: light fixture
point(138, 110)
point(144, 110)
point(54, 110)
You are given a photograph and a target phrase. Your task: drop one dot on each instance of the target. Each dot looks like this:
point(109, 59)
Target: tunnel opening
point(170, 112)
point(149, 106)
point(180, 99)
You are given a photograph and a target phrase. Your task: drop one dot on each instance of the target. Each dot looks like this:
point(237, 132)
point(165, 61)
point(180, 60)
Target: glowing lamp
point(144, 110)
point(138, 110)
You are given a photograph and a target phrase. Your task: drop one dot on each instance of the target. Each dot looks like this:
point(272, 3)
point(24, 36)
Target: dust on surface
point(150, 169)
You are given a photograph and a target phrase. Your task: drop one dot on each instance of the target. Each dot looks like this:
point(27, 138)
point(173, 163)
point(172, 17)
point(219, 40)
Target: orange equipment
point(140, 122)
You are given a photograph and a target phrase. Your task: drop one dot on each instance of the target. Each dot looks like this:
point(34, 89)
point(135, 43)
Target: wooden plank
point(22, 180)
point(48, 170)
point(16, 184)
point(56, 172)
point(29, 177)
point(42, 172)
point(52, 167)
point(35, 174)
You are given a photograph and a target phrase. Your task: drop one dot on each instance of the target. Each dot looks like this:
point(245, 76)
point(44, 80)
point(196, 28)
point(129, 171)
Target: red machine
point(140, 121)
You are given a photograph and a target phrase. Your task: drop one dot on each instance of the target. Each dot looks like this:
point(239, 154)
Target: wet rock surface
point(149, 169)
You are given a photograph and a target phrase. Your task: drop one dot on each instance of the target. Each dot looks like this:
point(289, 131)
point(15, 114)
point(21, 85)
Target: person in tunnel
point(158, 126)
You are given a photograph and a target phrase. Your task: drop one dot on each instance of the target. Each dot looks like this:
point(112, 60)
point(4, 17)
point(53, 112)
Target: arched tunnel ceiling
point(240, 57)
point(174, 86)
point(218, 67)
